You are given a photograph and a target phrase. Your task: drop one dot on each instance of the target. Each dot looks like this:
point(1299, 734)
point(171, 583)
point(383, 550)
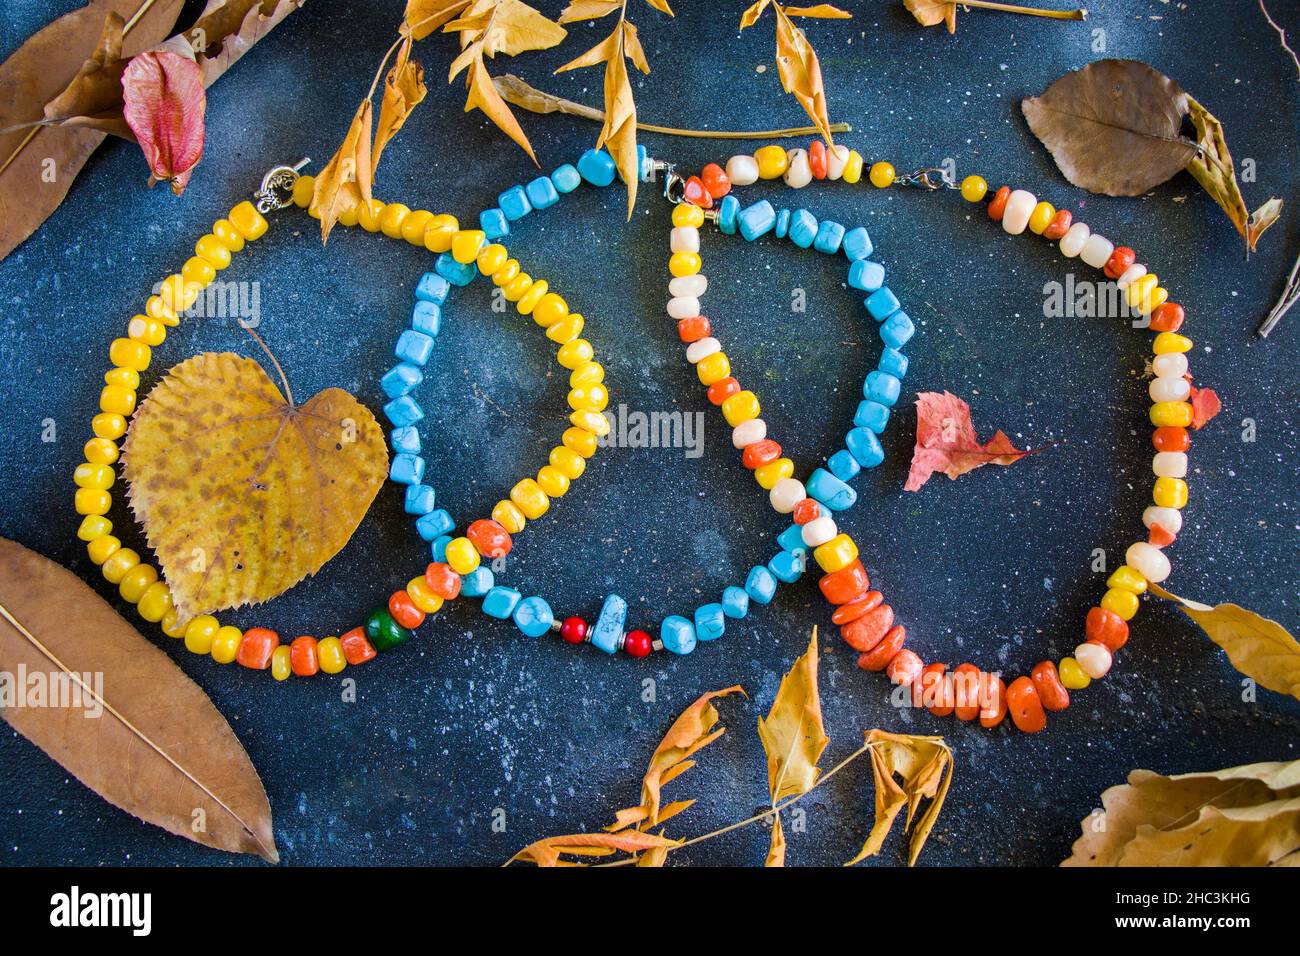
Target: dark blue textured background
point(993, 568)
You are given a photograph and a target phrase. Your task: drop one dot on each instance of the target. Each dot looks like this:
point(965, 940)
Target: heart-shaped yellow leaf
point(241, 493)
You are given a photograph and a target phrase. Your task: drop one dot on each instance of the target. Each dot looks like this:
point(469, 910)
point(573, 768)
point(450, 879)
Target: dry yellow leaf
point(425, 16)
point(589, 10)
point(796, 61)
point(548, 852)
point(1213, 168)
point(483, 95)
point(776, 851)
point(241, 493)
point(347, 176)
point(403, 90)
point(929, 13)
point(793, 733)
point(925, 766)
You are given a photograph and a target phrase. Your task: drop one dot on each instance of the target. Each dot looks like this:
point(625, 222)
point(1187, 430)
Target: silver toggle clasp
point(931, 177)
point(276, 191)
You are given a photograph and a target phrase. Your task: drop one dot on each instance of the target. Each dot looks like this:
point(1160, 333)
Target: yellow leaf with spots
point(242, 493)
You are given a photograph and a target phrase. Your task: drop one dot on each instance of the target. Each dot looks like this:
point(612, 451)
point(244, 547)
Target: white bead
point(1096, 251)
point(1169, 364)
point(798, 173)
point(1147, 560)
point(742, 170)
point(1170, 388)
point(818, 531)
point(746, 433)
point(787, 493)
point(837, 157)
point(702, 349)
point(1171, 519)
point(695, 285)
point(684, 239)
point(1169, 464)
point(1020, 205)
point(1072, 242)
point(683, 307)
point(1130, 275)
point(1094, 659)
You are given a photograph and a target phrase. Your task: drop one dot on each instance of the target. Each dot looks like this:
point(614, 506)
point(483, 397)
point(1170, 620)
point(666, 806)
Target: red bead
point(1160, 536)
point(723, 389)
point(817, 159)
point(993, 700)
point(1025, 707)
point(905, 667)
point(760, 453)
point(864, 633)
point(715, 180)
point(1058, 227)
point(303, 659)
point(938, 693)
point(966, 691)
point(692, 329)
point(404, 610)
point(1106, 627)
point(256, 648)
point(1171, 438)
point(1120, 259)
point(490, 538)
point(807, 510)
point(637, 643)
point(443, 580)
point(1168, 317)
point(855, 609)
point(998, 206)
point(1048, 684)
point(878, 658)
point(573, 630)
point(357, 648)
point(845, 585)
point(697, 194)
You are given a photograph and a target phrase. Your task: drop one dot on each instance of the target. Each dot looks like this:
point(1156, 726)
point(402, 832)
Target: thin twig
point(1028, 11)
point(284, 379)
point(1289, 297)
point(1281, 35)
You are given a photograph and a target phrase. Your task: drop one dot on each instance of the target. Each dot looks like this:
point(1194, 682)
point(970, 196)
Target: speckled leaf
point(241, 493)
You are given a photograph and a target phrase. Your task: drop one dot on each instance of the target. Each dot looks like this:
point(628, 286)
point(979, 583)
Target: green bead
point(384, 632)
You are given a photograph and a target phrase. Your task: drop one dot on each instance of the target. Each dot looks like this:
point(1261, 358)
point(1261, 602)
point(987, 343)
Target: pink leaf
point(946, 441)
point(163, 103)
point(1205, 405)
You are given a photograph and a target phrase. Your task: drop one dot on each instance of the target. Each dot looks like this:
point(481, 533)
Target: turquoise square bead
point(419, 499)
point(607, 632)
point(426, 317)
point(882, 387)
point(438, 547)
point(803, 228)
point(406, 469)
point(866, 275)
point(414, 347)
point(542, 193)
point(882, 304)
point(894, 362)
point(710, 622)
point(597, 167)
point(782, 228)
point(865, 447)
point(760, 585)
point(566, 178)
point(478, 582)
point(843, 465)
point(897, 330)
point(857, 244)
point(677, 634)
point(500, 602)
point(533, 615)
point(434, 524)
point(829, 236)
point(406, 440)
point(494, 224)
point(757, 220)
point(791, 539)
point(787, 566)
point(643, 164)
point(871, 415)
point(514, 203)
point(403, 411)
point(830, 491)
point(432, 288)
point(735, 602)
point(457, 273)
point(401, 380)
point(728, 210)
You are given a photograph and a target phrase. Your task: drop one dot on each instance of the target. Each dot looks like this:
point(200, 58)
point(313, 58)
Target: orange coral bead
point(937, 692)
point(966, 691)
point(443, 580)
point(1047, 682)
point(1168, 317)
point(760, 453)
point(1171, 438)
point(1059, 225)
point(999, 204)
point(855, 609)
point(256, 648)
point(692, 329)
point(878, 658)
point(1160, 536)
point(846, 584)
point(357, 647)
point(723, 389)
point(817, 161)
point(1106, 627)
point(807, 510)
point(1025, 708)
point(489, 537)
point(697, 194)
point(303, 657)
point(993, 700)
point(905, 668)
point(1121, 258)
point(715, 180)
point(865, 632)
point(404, 610)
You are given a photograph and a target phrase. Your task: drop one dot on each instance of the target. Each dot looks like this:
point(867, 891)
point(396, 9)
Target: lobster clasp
point(930, 177)
point(276, 190)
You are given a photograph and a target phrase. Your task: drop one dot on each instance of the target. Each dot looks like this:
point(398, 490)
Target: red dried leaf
point(1205, 405)
point(163, 103)
point(945, 441)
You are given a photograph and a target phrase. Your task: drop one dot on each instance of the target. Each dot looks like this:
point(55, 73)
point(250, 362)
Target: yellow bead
point(413, 226)
point(101, 451)
point(588, 373)
point(1140, 288)
point(126, 377)
point(1167, 342)
point(200, 632)
point(172, 625)
point(1041, 218)
point(198, 270)
point(740, 407)
point(225, 644)
point(146, 329)
point(177, 295)
point(713, 368)
point(349, 215)
point(580, 441)
point(369, 214)
point(549, 309)
point(117, 400)
point(974, 188)
point(568, 462)
point(1153, 300)
point(129, 353)
point(88, 475)
point(552, 481)
point(92, 527)
point(225, 230)
point(528, 301)
point(881, 175)
point(439, 232)
point(853, 167)
point(250, 223)
point(1170, 493)
point(108, 425)
point(102, 548)
point(768, 475)
point(594, 422)
point(466, 243)
point(1072, 675)
point(1176, 414)
point(1127, 579)
point(329, 652)
point(216, 252)
point(686, 214)
point(773, 161)
point(280, 666)
point(491, 258)
point(530, 498)
point(565, 330)
point(575, 353)
point(1123, 603)
point(303, 189)
point(591, 397)
point(462, 555)
point(155, 602)
point(506, 274)
point(156, 308)
point(422, 596)
point(92, 501)
point(391, 219)
point(119, 562)
point(836, 554)
point(135, 582)
point(508, 515)
point(684, 264)
point(517, 288)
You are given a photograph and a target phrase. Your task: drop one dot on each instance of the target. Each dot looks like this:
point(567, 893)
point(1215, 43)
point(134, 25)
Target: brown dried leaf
point(925, 766)
point(793, 733)
point(403, 90)
point(163, 764)
point(94, 98)
point(1213, 168)
point(347, 177)
point(796, 60)
point(930, 13)
point(1261, 219)
point(423, 17)
point(227, 29)
point(549, 851)
point(483, 95)
point(589, 10)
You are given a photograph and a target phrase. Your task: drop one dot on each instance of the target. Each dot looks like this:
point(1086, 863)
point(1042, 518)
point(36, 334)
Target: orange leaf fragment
point(946, 441)
point(1205, 405)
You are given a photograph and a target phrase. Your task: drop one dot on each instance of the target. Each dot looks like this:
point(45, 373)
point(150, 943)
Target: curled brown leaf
point(404, 89)
point(94, 97)
point(347, 177)
point(796, 61)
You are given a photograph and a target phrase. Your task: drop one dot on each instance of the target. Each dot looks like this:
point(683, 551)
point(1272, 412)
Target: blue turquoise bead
point(542, 193)
point(882, 387)
point(866, 275)
point(514, 203)
point(457, 273)
point(406, 440)
point(882, 304)
point(871, 415)
point(403, 411)
point(406, 469)
point(728, 210)
point(756, 220)
point(566, 178)
point(829, 236)
point(500, 602)
point(677, 634)
point(760, 585)
point(426, 317)
point(419, 499)
point(401, 380)
point(894, 362)
point(494, 224)
point(782, 228)
point(865, 447)
point(710, 622)
point(791, 539)
point(414, 347)
point(830, 491)
point(897, 330)
point(432, 288)
point(607, 632)
point(735, 602)
point(597, 167)
point(857, 244)
point(434, 524)
point(803, 228)
point(478, 582)
point(438, 547)
point(787, 566)
point(643, 164)
point(843, 465)
point(533, 615)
